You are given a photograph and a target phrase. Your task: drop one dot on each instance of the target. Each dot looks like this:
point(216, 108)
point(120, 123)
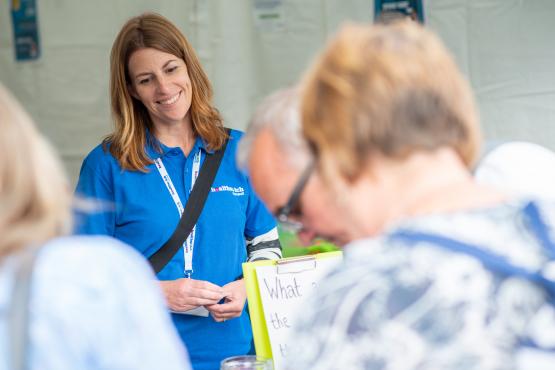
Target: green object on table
point(292, 247)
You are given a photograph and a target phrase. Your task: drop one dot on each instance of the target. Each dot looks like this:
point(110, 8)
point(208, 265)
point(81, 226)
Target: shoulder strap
point(494, 262)
point(192, 211)
point(19, 310)
point(497, 263)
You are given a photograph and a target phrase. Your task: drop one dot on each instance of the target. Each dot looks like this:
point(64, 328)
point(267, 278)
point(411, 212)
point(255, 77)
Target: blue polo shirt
point(140, 211)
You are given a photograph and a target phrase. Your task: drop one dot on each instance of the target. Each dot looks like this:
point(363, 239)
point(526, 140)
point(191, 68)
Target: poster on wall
point(25, 29)
point(388, 10)
point(268, 15)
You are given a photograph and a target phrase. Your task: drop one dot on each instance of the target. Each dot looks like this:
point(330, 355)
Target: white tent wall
point(503, 46)
point(506, 49)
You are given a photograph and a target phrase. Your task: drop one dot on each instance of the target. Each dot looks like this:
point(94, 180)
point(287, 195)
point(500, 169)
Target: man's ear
point(132, 91)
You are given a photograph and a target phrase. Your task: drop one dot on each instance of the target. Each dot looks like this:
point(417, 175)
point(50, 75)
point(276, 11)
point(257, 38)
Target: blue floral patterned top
point(399, 307)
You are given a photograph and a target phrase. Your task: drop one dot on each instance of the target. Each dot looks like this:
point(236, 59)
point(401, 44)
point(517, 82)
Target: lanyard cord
point(189, 244)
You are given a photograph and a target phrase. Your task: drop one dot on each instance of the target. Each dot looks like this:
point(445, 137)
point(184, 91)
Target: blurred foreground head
point(392, 125)
point(34, 195)
point(386, 91)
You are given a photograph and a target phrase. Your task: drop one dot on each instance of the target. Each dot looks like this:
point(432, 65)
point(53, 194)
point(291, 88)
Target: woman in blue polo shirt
point(143, 172)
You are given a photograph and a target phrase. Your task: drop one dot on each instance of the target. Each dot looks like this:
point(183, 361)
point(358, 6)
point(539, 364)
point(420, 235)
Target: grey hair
point(279, 113)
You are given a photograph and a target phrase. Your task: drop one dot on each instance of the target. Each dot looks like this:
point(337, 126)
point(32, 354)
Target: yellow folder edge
point(256, 311)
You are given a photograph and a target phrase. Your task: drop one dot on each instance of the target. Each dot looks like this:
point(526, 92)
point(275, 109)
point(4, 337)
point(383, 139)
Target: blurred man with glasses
point(281, 169)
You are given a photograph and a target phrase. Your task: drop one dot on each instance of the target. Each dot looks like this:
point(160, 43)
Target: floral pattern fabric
point(399, 307)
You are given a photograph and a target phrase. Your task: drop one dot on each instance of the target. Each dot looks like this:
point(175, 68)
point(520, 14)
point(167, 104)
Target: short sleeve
point(259, 219)
point(96, 206)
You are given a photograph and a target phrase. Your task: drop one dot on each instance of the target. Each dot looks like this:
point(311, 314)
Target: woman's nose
point(163, 85)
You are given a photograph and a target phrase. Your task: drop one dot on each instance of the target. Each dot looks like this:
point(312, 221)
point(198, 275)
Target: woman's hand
point(235, 297)
point(185, 294)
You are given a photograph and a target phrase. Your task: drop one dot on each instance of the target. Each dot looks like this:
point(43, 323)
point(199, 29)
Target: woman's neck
point(423, 184)
point(177, 135)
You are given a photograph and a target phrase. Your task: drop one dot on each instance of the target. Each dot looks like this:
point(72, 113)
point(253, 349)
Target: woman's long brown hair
point(131, 118)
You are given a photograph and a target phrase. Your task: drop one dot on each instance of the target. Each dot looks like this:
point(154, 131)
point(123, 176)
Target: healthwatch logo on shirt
point(237, 191)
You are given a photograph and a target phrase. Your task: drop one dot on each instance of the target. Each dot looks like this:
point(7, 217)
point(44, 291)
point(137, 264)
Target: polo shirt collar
point(152, 143)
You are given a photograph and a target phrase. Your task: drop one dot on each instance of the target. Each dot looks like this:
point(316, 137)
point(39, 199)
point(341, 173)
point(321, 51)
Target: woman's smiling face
point(161, 82)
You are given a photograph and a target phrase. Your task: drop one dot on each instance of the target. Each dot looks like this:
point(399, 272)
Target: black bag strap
point(192, 211)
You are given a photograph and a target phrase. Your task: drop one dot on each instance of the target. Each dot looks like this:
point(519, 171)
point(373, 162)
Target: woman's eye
point(144, 81)
point(171, 69)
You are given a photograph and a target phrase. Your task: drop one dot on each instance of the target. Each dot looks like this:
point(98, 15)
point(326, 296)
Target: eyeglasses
point(291, 208)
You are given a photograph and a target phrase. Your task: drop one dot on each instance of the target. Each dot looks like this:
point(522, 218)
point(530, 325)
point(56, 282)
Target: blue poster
point(25, 29)
point(387, 10)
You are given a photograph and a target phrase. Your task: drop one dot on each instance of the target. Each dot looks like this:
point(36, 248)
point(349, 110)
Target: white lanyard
point(189, 244)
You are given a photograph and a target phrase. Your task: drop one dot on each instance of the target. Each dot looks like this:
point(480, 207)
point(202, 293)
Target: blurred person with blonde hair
point(440, 272)
point(166, 128)
point(92, 302)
